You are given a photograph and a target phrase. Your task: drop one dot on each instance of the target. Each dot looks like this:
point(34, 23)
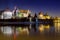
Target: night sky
point(50, 6)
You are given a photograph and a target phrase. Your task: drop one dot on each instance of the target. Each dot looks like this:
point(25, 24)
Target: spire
point(28, 11)
point(35, 15)
point(40, 13)
point(15, 7)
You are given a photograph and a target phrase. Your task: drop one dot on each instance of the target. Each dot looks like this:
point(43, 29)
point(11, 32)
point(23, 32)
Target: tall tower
point(40, 15)
point(15, 11)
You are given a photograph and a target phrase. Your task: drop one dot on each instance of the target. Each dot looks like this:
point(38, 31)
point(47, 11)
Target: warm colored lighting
point(23, 30)
point(48, 17)
point(41, 28)
point(23, 11)
point(57, 21)
point(41, 15)
point(57, 24)
point(25, 15)
point(47, 27)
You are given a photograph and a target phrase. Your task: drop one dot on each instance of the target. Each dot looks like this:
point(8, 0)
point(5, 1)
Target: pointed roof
point(46, 14)
point(25, 11)
point(40, 13)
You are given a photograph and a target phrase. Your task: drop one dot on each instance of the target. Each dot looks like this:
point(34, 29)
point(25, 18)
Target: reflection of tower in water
point(42, 28)
point(57, 24)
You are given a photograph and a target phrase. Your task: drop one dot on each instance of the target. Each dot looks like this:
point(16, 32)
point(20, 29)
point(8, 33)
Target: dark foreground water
point(43, 32)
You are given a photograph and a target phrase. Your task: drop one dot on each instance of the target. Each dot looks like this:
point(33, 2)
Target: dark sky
point(50, 6)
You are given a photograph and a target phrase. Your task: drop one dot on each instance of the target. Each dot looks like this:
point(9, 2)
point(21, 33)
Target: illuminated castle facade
point(42, 16)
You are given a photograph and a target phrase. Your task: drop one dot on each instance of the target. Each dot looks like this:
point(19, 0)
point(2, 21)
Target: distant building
point(7, 14)
point(21, 13)
point(24, 13)
point(42, 16)
point(46, 16)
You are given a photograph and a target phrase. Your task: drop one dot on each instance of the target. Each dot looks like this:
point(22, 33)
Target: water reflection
point(42, 31)
point(21, 30)
point(57, 25)
point(25, 30)
point(31, 29)
point(43, 28)
point(7, 30)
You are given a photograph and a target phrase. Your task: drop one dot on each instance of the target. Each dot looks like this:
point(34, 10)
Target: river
point(42, 32)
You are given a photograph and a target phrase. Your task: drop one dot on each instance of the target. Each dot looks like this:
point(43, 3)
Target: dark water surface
point(43, 32)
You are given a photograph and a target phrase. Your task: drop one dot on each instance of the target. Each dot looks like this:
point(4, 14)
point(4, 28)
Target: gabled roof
point(46, 14)
point(23, 11)
point(40, 13)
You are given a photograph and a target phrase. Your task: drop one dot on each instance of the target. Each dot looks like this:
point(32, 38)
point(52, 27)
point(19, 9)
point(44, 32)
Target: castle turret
point(40, 15)
point(46, 16)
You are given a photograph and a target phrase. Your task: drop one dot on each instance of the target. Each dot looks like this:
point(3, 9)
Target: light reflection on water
point(40, 29)
point(44, 32)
